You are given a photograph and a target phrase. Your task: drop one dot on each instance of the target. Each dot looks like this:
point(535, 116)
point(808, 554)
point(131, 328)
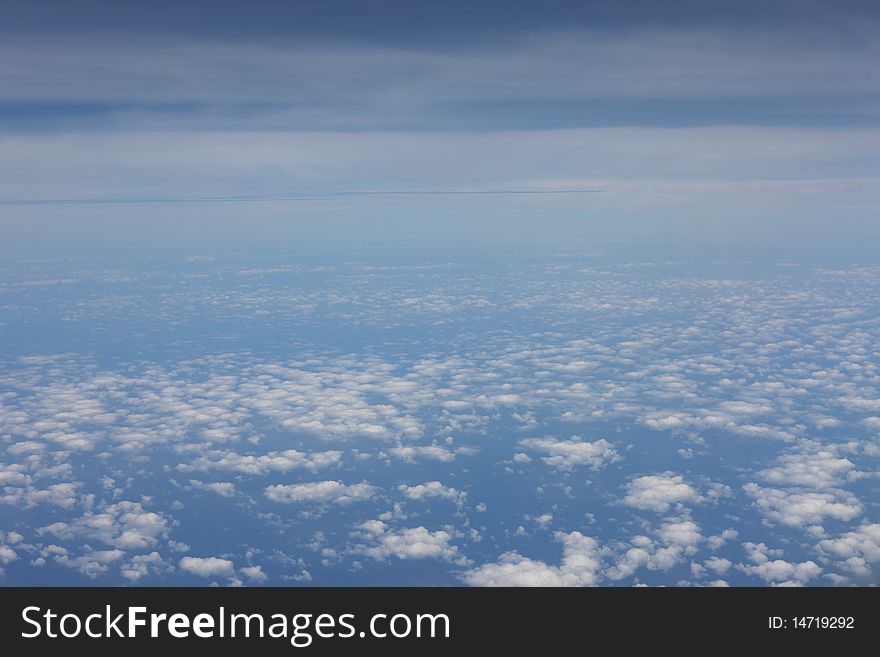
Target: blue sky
point(514, 293)
point(227, 126)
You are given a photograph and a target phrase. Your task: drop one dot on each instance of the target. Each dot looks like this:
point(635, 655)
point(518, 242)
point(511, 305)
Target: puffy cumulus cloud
point(14, 474)
point(63, 495)
point(799, 508)
point(659, 492)
point(91, 563)
point(661, 422)
point(684, 533)
point(822, 468)
point(207, 566)
point(729, 417)
point(581, 565)
point(124, 525)
point(717, 565)
point(413, 453)
point(142, 565)
point(634, 558)
point(13, 537)
point(73, 406)
point(861, 403)
point(432, 489)
point(283, 461)
point(331, 399)
point(856, 551)
point(221, 488)
point(719, 539)
point(746, 408)
point(674, 541)
point(7, 554)
point(543, 521)
point(568, 454)
point(255, 574)
point(382, 542)
point(321, 491)
point(777, 572)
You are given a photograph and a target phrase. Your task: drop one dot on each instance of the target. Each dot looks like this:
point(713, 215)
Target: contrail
point(289, 197)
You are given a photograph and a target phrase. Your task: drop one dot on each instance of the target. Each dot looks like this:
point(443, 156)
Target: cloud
point(283, 461)
point(796, 508)
point(255, 574)
point(684, 533)
point(142, 565)
point(63, 495)
point(322, 491)
point(7, 555)
point(409, 543)
point(659, 492)
point(124, 525)
point(432, 489)
point(820, 469)
point(718, 565)
point(544, 520)
point(207, 566)
point(856, 550)
point(718, 540)
point(581, 566)
point(91, 563)
point(549, 64)
point(221, 488)
point(777, 572)
point(568, 454)
point(412, 453)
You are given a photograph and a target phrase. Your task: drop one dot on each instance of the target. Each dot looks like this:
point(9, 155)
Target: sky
point(439, 293)
point(227, 126)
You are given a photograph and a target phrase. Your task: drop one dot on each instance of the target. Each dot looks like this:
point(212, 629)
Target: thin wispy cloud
point(291, 197)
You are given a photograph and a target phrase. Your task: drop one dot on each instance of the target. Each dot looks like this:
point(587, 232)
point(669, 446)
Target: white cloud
point(718, 565)
point(856, 550)
point(255, 574)
point(568, 454)
point(432, 489)
point(92, 563)
point(633, 559)
point(14, 474)
point(321, 491)
point(282, 461)
point(777, 571)
point(797, 508)
point(544, 520)
point(142, 565)
point(63, 495)
point(684, 533)
point(411, 543)
point(7, 555)
point(207, 566)
point(581, 566)
point(659, 492)
point(124, 525)
point(412, 453)
point(718, 540)
point(819, 469)
point(221, 488)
